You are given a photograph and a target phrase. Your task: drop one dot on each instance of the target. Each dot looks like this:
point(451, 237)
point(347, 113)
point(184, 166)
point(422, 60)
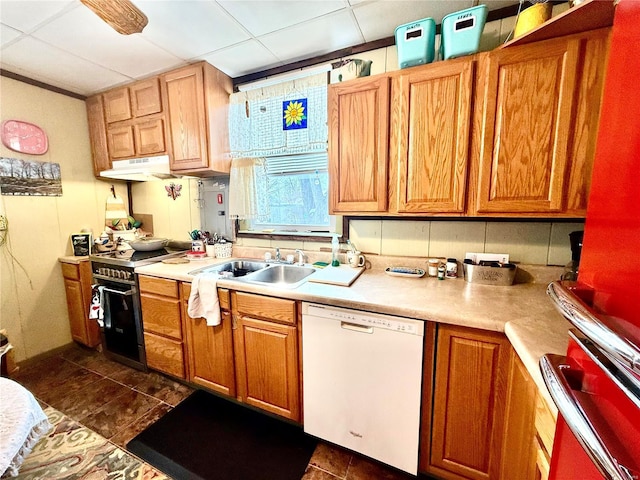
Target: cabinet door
point(164, 354)
point(76, 308)
point(469, 403)
point(210, 351)
point(186, 117)
point(358, 145)
point(528, 106)
point(145, 97)
point(117, 106)
point(518, 455)
point(267, 366)
point(121, 144)
point(430, 125)
point(149, 137)
point(98, 134)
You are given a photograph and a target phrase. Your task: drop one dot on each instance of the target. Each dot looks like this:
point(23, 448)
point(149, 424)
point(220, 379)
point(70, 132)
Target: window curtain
point(247, 180)
point(256, 119)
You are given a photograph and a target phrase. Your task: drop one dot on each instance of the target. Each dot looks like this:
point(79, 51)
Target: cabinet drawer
point(70, 271)
point(164, 354)
point(271, 308)
point(159, 286)
point(161, 316)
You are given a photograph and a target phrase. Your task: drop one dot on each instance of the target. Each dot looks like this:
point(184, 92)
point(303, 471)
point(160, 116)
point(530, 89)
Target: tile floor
point(118, 402)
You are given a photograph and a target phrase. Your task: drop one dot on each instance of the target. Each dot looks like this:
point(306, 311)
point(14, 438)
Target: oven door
point(598, 433)
point(122, 332)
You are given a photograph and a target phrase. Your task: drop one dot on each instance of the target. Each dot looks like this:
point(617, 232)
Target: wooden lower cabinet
point(211, 363)
point(468, 404)
point(77, 286)
point(162, 323)
point(266, 354)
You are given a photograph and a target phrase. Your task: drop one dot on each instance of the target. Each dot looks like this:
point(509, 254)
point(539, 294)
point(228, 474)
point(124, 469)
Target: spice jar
point(452, 268)
point(441, 270)
point(433, 267)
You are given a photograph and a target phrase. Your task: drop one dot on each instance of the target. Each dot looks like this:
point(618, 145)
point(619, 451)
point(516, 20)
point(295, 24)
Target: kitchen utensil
point(147, 244)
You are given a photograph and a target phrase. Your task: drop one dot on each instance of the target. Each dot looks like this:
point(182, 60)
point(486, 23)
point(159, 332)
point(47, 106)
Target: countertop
point(522, 311)
point(73, 259)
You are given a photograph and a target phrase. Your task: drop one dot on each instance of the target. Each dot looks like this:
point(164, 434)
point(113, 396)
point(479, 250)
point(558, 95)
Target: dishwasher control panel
point(367, 319)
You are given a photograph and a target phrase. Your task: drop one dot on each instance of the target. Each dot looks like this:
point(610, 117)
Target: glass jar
point(433, 267)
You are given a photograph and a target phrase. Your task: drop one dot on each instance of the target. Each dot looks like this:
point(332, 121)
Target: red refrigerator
point(596, 386)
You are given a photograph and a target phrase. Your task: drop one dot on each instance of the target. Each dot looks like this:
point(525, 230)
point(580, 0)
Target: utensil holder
point(499, 276)
point(223, 250)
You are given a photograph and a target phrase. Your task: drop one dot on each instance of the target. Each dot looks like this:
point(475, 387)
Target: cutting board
point(344, 275)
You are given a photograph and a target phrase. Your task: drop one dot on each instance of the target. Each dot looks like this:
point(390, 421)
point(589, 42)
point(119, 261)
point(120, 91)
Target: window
point(295, 194)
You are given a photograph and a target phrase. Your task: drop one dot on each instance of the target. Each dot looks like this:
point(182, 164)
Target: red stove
point(596, 387)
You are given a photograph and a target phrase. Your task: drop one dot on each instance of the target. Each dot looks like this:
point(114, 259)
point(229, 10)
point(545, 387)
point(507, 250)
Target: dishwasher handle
point(356, 328)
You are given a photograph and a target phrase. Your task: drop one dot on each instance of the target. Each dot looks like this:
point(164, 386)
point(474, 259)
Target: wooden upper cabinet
point(536, 132)
point(121, 143)
point(358, 145)
point(145, 97)
point(429, 146)
point(196, 99)
point(149, 137)
point(98, 134)
point(117, 105)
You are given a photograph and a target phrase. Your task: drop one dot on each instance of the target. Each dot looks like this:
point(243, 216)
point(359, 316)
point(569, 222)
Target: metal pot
point(147, 244)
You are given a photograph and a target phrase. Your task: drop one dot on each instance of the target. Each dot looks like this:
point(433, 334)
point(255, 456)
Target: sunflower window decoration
point(294, 116)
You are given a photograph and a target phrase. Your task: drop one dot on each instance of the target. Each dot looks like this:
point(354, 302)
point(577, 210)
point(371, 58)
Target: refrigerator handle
point(551, 367)
point(613, 345)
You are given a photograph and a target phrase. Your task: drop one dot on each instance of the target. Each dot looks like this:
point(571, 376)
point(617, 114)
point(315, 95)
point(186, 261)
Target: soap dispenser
point(335, 249)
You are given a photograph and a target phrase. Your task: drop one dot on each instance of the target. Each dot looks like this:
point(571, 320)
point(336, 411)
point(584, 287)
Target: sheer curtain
point(246, 180)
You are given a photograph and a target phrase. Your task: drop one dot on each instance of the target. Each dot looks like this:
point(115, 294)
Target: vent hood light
point(139, 169)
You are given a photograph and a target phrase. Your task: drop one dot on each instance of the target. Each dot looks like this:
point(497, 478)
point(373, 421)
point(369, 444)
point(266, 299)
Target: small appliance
point(461, 31)
point(416, 42)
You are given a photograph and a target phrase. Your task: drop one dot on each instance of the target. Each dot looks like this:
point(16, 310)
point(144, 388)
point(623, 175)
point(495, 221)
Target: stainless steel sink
point(289, 276)
point(235, 268)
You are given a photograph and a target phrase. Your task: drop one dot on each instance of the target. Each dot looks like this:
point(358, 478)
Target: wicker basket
point(223, 250)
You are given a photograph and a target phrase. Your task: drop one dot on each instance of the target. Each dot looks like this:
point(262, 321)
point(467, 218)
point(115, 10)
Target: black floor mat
point(208, 437)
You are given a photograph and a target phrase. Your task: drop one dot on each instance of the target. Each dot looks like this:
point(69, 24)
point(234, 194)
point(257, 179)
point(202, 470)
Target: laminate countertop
point(522, 311)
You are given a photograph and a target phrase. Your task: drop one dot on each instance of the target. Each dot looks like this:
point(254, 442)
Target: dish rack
point(223, 250)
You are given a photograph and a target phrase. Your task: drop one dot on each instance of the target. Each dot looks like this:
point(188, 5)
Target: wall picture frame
point(81, 244)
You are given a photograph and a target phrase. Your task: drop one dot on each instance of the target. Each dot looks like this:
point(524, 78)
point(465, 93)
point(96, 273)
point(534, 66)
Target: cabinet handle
point(234, 321)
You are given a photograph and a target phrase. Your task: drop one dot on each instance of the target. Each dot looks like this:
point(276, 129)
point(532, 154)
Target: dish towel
point(96, 309)
point(203, 301)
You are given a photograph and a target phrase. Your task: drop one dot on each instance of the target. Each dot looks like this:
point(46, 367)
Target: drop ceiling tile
point(8, 34)
point(41, 61)
point(316, 37)
point(379, 19)
point(262, 17)
point(242, 59)
point(24, 16)
point(82, 33)
point(188, 29)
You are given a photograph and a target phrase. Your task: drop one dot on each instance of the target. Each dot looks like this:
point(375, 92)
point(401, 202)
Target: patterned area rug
point(70, 450)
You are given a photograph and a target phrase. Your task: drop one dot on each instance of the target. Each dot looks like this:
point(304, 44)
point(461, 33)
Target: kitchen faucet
point(300, 256)
point(278, 258)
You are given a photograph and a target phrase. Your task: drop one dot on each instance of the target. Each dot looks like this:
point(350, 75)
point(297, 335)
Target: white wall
point(33, 308)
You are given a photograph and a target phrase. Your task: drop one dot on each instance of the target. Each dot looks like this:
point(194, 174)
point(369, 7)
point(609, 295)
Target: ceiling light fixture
point(122, 15)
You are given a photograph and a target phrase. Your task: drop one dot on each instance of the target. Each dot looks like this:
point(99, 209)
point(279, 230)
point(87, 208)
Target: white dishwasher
point(362, 378)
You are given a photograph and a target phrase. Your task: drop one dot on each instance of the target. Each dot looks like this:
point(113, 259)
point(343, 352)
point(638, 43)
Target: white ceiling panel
point(379, 19)
point(189, 29)
point(240, 59)
point(25, 15)
point(63, 43)
point(8, 34)
point(324, 34)
point(262, 17)
point(82, 33)
point(43, 60)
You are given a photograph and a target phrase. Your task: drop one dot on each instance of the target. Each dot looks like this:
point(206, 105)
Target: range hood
point(139, 169)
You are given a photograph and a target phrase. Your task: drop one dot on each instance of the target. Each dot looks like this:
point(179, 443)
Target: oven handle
point(616, 346)
point(551, 367)
point(126, 293)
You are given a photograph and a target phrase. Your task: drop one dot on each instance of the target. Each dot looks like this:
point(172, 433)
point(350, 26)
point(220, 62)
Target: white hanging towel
point(203, 301)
